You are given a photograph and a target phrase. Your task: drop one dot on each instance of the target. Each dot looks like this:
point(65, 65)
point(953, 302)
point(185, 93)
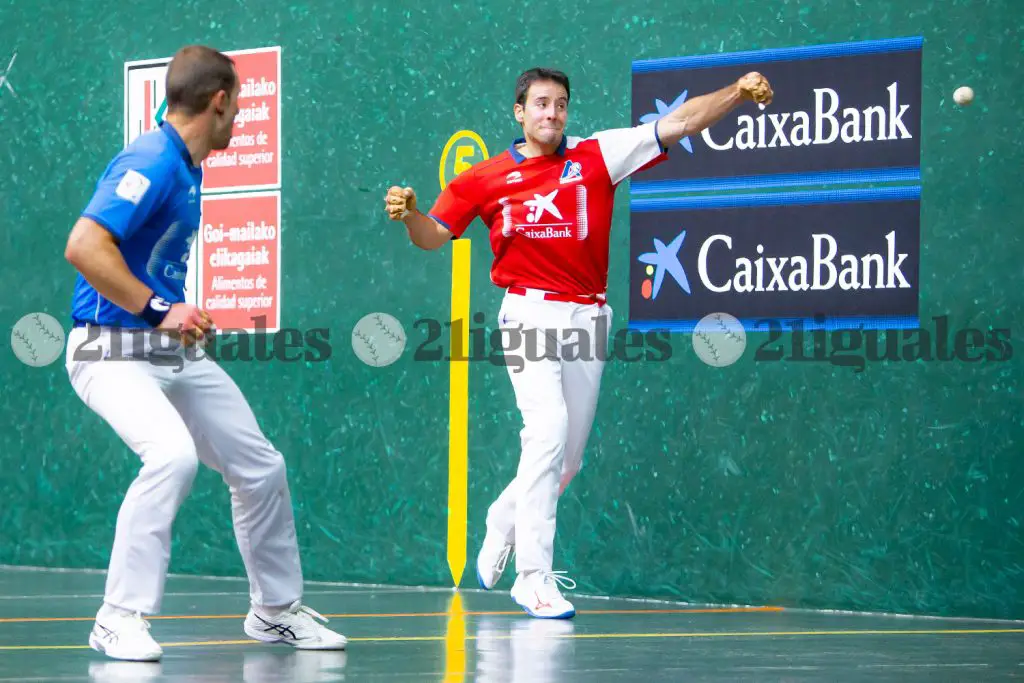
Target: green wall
point(900, 488)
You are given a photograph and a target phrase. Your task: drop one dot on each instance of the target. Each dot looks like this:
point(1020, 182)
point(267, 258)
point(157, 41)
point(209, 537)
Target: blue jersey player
point(130, 247)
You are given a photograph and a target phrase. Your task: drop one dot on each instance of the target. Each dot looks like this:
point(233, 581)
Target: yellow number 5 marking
point(461, 152)
point(465, 154)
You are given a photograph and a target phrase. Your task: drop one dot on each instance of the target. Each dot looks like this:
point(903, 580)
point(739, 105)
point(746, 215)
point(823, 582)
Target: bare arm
point(424, 231)
point(704, 111)
point(93, 251)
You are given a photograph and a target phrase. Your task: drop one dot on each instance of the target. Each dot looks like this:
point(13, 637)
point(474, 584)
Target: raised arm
point(704, 111)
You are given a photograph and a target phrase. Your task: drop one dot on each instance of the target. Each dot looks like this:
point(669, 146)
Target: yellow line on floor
point(176, 617)
point(722, 634)
point(768, 634)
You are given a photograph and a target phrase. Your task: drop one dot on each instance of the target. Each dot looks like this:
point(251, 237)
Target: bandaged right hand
point(400, 202)
point(755, 87)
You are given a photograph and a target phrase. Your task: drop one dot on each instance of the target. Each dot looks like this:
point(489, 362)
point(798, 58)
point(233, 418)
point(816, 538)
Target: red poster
point(253, 159)
point(240, 252)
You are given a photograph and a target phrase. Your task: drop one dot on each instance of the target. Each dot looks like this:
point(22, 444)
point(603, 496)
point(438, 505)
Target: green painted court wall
point(899, 488)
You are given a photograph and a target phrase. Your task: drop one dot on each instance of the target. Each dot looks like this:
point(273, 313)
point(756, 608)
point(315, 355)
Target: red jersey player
point(547, 201)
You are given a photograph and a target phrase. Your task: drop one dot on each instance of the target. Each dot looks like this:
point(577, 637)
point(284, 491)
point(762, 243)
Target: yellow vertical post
point(466, 154)
point(458, 418)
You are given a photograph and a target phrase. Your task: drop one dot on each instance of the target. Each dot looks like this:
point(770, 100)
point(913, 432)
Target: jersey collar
point(519, 158)
point(176, 140)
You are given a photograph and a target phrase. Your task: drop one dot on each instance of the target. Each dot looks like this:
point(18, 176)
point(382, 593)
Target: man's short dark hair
point(530, 76)
point(195, 75)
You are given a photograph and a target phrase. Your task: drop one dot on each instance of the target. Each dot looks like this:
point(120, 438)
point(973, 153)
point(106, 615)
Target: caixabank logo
point(842, 112)
point(722, 268)
point(827, 120)
point(851, 255)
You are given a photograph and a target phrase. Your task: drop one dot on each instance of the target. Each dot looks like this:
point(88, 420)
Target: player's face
point(224, 118)
point(546, 110)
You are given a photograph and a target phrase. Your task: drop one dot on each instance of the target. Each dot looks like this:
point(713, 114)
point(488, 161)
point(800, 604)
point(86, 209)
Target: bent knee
point(265, 474)
point(276, 471)
point(176, 459)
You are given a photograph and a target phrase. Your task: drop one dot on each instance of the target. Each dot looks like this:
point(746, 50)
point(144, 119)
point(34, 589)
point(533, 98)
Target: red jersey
point(550, 217)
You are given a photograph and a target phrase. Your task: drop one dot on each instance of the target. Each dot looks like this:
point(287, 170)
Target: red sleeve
point(457, 206)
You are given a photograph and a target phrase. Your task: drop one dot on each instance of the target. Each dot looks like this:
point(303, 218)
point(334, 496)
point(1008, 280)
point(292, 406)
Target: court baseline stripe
point(593, 636)
point(722, 610)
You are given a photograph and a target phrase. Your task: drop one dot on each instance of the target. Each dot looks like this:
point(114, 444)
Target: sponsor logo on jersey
point(571, 172)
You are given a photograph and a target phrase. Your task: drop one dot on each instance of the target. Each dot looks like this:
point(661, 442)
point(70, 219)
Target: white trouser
point(173, 414)
point(556, 376)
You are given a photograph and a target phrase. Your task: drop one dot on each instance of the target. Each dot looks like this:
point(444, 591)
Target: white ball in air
point(963, 95)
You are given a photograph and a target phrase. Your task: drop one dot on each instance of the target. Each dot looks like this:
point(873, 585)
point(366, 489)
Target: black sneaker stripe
point(279, 629)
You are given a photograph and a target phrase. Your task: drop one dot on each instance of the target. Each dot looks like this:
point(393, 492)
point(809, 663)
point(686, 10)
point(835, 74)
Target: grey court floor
point(410, 634)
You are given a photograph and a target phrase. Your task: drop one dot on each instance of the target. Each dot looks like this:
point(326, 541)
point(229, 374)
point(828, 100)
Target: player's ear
point(517, 110)
point(219, 101)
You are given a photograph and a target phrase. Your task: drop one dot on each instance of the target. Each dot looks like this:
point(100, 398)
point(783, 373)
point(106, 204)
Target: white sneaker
point(124, 636)
point(491, 561)
point(295, 626)
point(537, 593)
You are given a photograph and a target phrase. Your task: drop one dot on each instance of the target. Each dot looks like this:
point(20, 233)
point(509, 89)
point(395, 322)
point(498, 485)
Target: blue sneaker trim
point(480, 579)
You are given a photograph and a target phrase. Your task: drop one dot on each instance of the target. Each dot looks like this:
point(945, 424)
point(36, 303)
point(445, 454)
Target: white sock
point(269, 611)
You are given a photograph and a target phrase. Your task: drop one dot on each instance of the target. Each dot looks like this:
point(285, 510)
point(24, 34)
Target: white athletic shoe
point(295, 626)
point(537, 593)
point(491, 560)
point(124, 636)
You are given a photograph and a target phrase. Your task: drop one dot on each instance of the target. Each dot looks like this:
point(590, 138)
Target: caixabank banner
point(842, 258)
point(842, 114)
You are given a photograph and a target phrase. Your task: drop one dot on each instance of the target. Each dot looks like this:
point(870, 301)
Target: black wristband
point(156, 310)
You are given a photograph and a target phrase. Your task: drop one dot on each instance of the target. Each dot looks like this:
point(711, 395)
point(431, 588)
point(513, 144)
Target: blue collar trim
point(519, 158)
